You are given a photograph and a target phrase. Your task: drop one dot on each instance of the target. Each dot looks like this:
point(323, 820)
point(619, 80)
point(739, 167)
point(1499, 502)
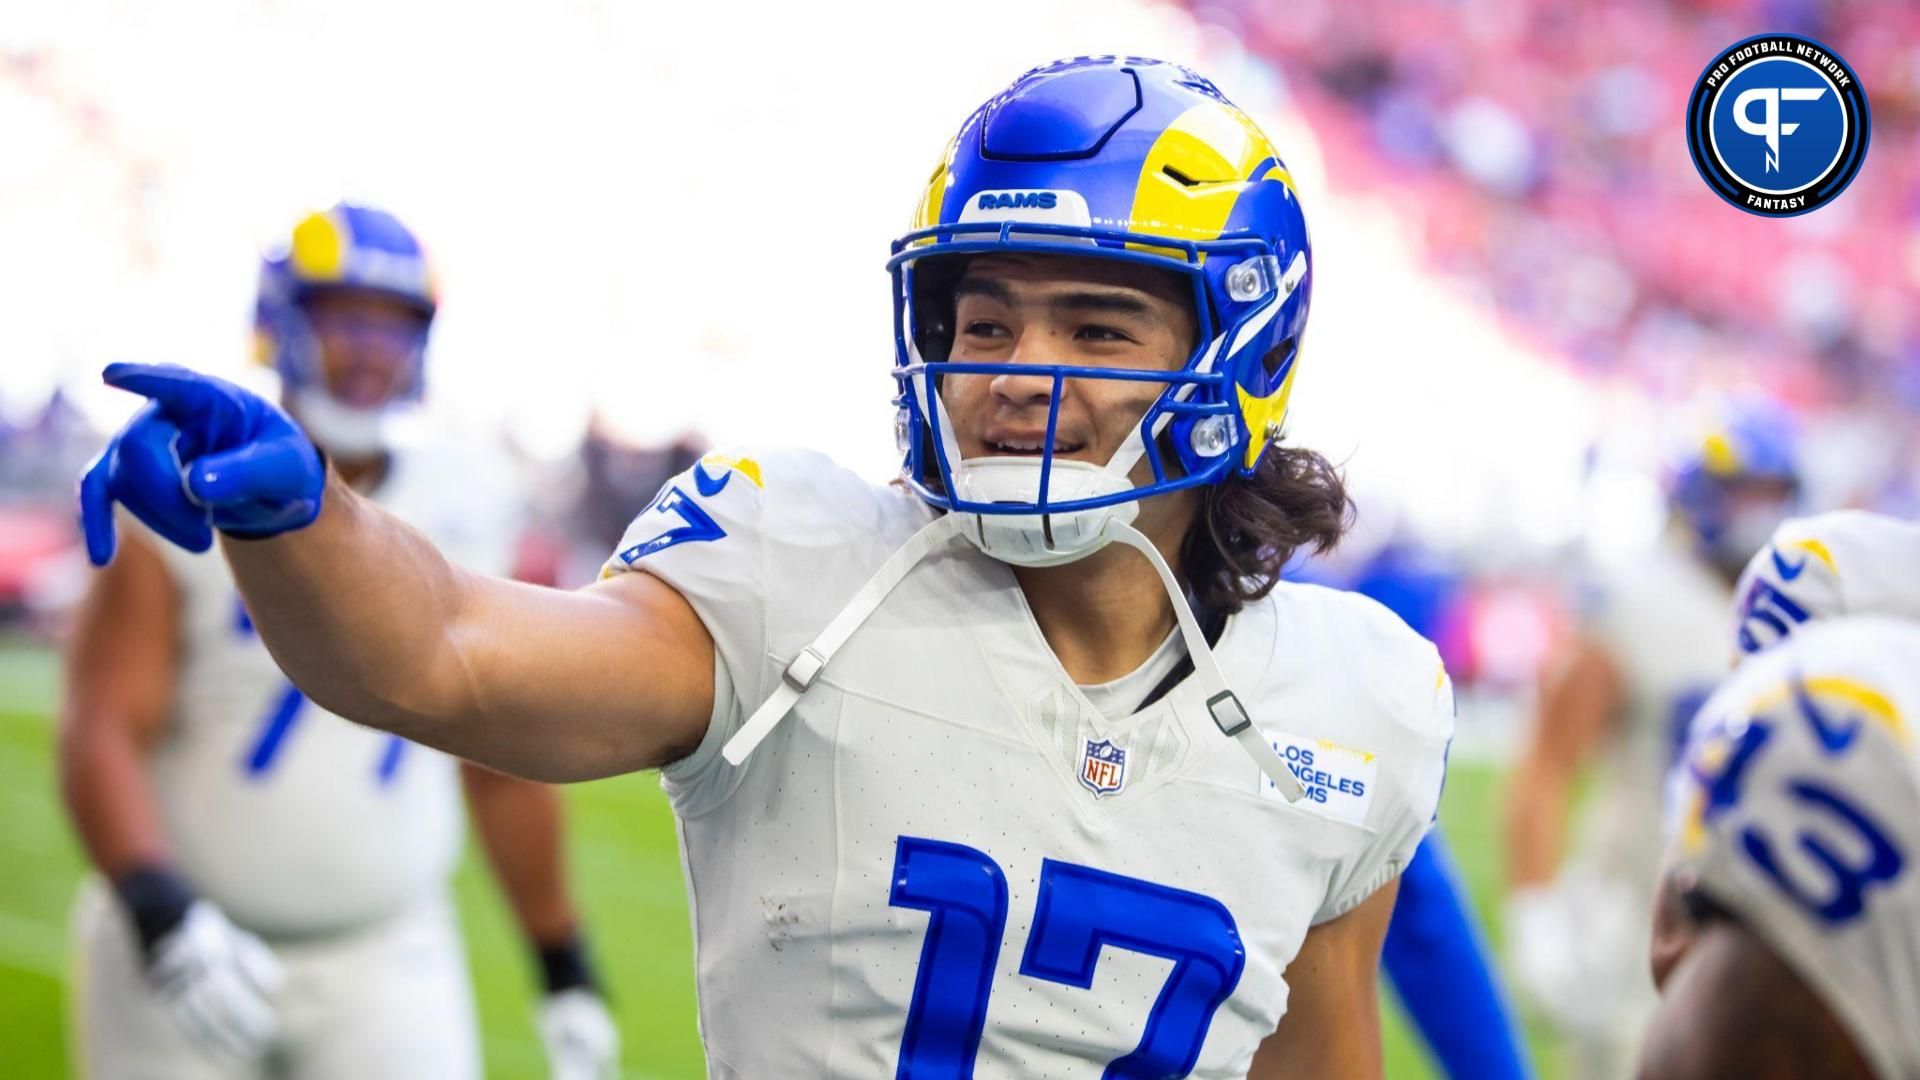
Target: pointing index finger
point(180, 392)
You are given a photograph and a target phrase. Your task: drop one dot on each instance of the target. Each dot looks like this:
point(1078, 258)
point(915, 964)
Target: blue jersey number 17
point(1079, 911)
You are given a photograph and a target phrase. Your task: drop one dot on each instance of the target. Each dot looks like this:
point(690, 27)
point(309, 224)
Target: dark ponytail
point(1249, 527)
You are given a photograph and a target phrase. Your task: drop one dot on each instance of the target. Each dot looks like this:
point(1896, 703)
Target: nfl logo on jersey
point(1103, 767)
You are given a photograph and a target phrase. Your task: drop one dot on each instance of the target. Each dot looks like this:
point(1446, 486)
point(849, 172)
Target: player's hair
point(1248, 528)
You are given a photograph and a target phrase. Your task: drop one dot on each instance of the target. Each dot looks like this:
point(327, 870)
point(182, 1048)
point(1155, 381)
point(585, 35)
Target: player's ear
point(1674, 925)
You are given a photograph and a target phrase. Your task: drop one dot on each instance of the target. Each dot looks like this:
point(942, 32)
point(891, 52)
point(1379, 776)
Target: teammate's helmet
point(1128, 159)
point(345, 247)
point(1755, 441)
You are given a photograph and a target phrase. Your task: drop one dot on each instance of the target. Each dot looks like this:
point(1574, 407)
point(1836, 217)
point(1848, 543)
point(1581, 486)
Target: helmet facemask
point(1045, 509)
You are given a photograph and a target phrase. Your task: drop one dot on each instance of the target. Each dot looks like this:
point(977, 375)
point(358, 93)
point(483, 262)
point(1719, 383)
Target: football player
point(1436, 959)
point(278, 876)
point(970, 779)
point(1435, 954)
point(1815, 570)
point(1788, 939)
point(1837, 563)
point(1650, 650)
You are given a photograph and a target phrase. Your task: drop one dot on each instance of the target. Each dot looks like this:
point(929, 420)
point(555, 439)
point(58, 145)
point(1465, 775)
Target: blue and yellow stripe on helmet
point(1196, 171)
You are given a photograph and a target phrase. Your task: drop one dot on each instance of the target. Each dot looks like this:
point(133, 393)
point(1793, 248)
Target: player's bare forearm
point(356, 609)
point(119, 688)
point(519, 822)
point(1536, 819)
point(372, 622)
point(104, 781)
point(1579, 699)
point(1332, 1023)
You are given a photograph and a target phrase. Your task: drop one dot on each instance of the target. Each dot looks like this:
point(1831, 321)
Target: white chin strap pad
point(813, 659)
point(1040, 539)
point(344, 432)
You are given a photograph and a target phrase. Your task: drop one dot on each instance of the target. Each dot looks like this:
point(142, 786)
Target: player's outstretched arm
point(373, 623)
point(363, 614)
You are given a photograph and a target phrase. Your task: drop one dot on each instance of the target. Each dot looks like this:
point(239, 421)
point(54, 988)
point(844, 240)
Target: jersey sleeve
point(1413, 699)
point(1846, 562)
point(765, 547)
point(704, 534)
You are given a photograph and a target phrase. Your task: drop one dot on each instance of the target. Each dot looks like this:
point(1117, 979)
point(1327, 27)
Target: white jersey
point(1662, 619)
point(946, 860)
point(1801, 814)
point(296, 822)
point(1839, 563)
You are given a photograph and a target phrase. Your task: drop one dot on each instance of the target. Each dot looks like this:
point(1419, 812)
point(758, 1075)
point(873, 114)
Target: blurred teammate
point(281, 874)
point(964, 781)
point(1838, 563)
point(1435, 955)
point(1788, 943)
point(1724, 953)
point(1650, 650)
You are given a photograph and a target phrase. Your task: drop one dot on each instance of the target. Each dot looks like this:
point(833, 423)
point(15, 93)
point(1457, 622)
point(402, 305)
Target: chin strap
point(813, 659)
point(1227, 712)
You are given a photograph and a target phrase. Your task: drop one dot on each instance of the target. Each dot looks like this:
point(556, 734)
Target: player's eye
point(984, 328)
point(1102, 334)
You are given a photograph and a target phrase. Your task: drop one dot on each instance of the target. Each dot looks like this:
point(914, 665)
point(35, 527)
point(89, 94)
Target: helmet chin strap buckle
point(1223, 705)
point(805, 668)
point(1228, 714)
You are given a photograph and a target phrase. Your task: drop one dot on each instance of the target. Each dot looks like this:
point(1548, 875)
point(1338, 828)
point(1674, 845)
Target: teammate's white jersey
point(946, 860)
point(294, 821)
point(1840, 563)
point(1801, 814)
point(1662, 619)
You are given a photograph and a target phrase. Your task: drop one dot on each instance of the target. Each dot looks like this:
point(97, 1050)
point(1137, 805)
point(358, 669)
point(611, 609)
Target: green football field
point(626, 873)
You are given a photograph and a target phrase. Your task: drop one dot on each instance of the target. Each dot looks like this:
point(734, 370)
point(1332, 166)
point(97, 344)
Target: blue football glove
point(203, 455)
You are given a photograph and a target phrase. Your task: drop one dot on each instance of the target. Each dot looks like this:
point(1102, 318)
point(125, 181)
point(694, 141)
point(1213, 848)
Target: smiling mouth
point(1021, 448)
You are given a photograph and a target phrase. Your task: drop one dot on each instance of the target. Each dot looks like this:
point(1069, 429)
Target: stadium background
point(658, 224)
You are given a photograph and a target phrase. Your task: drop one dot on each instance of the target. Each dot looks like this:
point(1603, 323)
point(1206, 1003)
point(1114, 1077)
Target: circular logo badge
point(1778, 125)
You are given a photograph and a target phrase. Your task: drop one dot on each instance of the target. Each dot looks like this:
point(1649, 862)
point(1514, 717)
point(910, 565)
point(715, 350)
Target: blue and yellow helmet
point(347, 246)
point(1752, 441)
point(1128, 159)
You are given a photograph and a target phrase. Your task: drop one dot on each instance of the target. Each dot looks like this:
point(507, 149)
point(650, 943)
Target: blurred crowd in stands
point(1536, 150)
